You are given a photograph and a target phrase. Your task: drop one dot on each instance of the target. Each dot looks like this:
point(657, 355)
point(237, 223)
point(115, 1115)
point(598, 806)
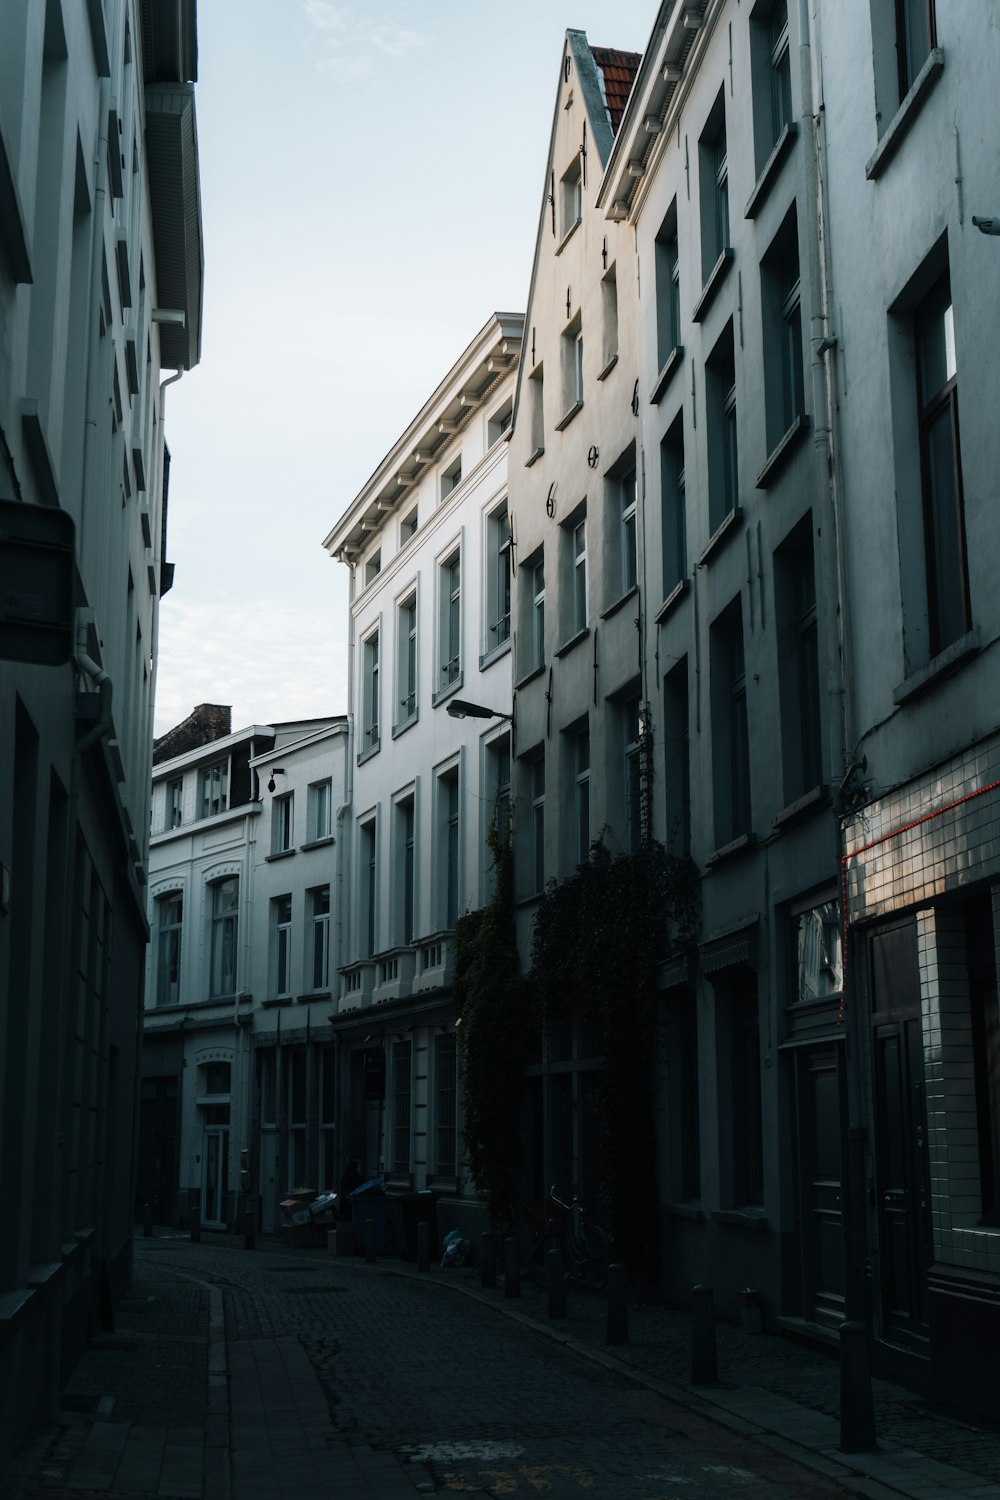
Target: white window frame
point(405, 865)
point(224, 929)
point(371, 647)
point(581, 793)
point(283, 823)
point(407, 659)
point(578, 559)
point(448, 794)
point(498, 577)
point(450, 619)
point(281, 925)
point(213, 789)
point(319, 938)
point(169, 946)
point(628, 497)
point(538, 612)
point(174, 816)
point(320, 799)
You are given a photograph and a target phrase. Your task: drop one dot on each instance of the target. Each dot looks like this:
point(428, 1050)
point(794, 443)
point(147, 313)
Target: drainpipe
point(345, 806)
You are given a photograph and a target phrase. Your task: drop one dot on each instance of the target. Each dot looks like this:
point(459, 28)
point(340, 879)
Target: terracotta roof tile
point(619, 70)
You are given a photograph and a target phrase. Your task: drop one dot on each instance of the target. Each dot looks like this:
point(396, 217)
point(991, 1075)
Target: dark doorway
point(902, 1169)
point(819, 1104)
point(156, 1181)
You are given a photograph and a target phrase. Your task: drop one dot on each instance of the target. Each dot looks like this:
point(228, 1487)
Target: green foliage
point(492, 1001)
point(597, 940)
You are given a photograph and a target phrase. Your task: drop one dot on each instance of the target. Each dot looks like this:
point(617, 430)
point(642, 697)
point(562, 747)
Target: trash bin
point(414, 1209)
point(368, 1202)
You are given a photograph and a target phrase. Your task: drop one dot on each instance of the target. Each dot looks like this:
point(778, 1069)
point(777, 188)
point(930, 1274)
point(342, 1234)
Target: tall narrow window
point(536, 392)
point(572, 369)
point(175, 803)
point(281, 824)
point(579, 590)
point(451, 478)
point(677, 758)
point(536, 847)
point(370, 694)
point(916, 34)
point(784, 389)
point(731, 745)
point(448, 822)
point(628, 533)
point(405, 833)
point(723, 446)
point(320, 800)
point(498, 546)
point(170, 919)
point(281, 916)
point(609, 319)
point(798, 662)
point(225, 907)
point(538, 613)
point(673, 506)
point(406, 660)
point(498, 784)
point(368, 861)
point(571, 198)
point(401, 1086)
point(451, 620)
point(215, 789)
point(668, 301)
point(445, 1102)
point(941, 469)
point(319, 902)
point(632, 726)
point(581, 756)
point(713, 164)
point(781, 69)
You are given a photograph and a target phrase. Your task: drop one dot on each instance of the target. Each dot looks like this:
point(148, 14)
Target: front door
point(902, 1169)
point(215, 1177)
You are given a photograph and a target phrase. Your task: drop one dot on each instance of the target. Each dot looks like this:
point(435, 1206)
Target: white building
point(100, 291)
point(242, 888)
point(428, 544)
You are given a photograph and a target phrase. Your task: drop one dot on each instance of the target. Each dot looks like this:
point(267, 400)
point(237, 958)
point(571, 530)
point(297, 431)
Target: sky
point(371, 179)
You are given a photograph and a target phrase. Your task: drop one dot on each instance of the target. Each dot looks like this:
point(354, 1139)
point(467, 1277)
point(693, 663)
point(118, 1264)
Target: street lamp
point(986, 226)
point(459, 708)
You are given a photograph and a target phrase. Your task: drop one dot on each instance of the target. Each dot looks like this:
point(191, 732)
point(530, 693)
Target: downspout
point(342, 1070)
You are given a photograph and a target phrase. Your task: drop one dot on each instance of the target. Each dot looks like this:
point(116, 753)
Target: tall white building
point(428, 545)
point(100, 291)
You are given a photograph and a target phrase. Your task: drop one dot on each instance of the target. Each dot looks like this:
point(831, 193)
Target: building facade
point(429, 545)
point(100, 291)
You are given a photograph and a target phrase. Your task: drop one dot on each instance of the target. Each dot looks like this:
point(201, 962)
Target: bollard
point(487, 1259)
point(423, 1247)
point(556, 1273)
point(195, 1224)
point(704, 1366)
point(370, 1242)
point(249, 1230)
point(857, 1410)
point(511, 1269)
point(617, 1309)
point(147, 1221)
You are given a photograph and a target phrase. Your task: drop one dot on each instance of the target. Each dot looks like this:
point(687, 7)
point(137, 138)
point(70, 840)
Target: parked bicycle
point(567, 1227)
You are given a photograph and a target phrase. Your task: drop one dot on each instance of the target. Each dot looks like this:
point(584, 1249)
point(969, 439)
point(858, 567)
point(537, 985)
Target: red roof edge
point(619, 70)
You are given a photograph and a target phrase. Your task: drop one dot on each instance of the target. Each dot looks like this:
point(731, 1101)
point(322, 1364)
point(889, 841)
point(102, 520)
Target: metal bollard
point(147, 1221)
point(857, 1409)
point(370, 1242)
point(423, 1247)
point(195, 1224)
point(511, 1269)
point(704, 1365)
point(556, 1272)
point(617, 1309)
point(487, 1259)
point(249, 1230)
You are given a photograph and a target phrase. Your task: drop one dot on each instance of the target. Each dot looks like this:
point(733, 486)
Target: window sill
point(364, 755)
point(314, 995)
point(496, 653)
point(779, 455)
point(278, 854)
point(942, 665)
point(802, 807)
point(672, 600)
point(274, 1001)
point(443, 694)
point(574, 640)
point(317, 843)
point(523, 902)
point(534, 456)
point(716, 277)
point(690, 1211)
point(666, 375)
point(902, 121)
point(529, 677)
point(613, 609)
point(719, 535)
point(568, 236)
point(398, 729)
point(567, 419)
point(743, 1218)
point(608, 367)
point(771, 170)
point(741, 845)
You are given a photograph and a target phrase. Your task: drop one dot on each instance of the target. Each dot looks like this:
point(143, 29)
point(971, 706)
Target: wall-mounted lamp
point(986, 226)
point(459, 708)
point(275, 771)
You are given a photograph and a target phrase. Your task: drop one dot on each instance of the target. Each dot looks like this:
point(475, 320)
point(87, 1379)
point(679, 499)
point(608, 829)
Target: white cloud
point(353, 39)
point(328, 17)
point(397, 42)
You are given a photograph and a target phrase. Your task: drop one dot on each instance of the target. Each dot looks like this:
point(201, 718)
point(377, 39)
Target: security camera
point(986, 226)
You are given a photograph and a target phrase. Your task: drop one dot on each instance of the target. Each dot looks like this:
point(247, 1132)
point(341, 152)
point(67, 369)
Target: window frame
point(169, 946)
point(214, 802)
point(407, 660)
point(371, 652)
point(319, 938)
point(281, 966)
point(450, 620)
point(499, 544)
point(283, 823)
point(224, 926)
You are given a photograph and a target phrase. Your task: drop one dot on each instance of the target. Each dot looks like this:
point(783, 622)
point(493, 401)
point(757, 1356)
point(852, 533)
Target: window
point(445, 1105)
point(169, 921)
point(225, 904)
point(945, 558)
point(405, 834)
point(319, 944)
point(451, 477)
point(449, 847)
point(916, 34)
point(609, 318)
point(731, 746)
point(320, 807)
point(535, 389)
point(500, 422)
point(576, 594)
point(723, 447)
point(370, 694)
point(633, 730)
point(581, 794)
point(628, 537)
point(408, 526)
point(401, 1068)
point(819, 968)
point(783, 380)
point(281, 929)
point(536, 843)
point(677, 758)
point(572, 367)
point(771, 68)
point(406, 660)
point(571, 199)
point(536, 576)
point(498, 550)
point(367, 887)
point(450, 576)
point(714, 184)
point(214, 789)
point(373, 567)
point(798, 663)
point(281, 823)
point(175, 803)
point(673, 506)
point(668, 290)
point(498, 782)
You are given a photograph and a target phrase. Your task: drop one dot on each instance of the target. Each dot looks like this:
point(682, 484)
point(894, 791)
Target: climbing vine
point(597, 940)
point(495, 1028)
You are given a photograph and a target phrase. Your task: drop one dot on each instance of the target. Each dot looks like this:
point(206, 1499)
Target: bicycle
point(566, 1227)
